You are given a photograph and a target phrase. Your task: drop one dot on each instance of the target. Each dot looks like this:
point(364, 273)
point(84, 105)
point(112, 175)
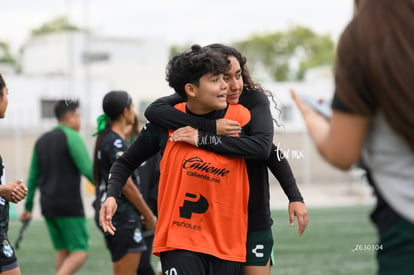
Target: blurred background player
point(59, 159)
point(127, 244)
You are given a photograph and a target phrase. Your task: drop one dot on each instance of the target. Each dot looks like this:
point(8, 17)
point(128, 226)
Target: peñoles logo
point(198, 164)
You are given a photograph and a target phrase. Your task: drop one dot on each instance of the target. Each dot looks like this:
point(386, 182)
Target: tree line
point(283, 55)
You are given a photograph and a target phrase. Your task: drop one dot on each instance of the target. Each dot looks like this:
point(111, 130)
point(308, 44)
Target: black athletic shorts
point(8, 258)
point(183, 262)
point(123, 242)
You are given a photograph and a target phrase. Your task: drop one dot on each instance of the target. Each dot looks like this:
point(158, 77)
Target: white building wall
point(26, 93)
point(52, 54)
point(135, 65)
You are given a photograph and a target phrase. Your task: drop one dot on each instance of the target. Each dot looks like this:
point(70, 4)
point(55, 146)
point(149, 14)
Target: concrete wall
point(308, 167)
point(133, 64)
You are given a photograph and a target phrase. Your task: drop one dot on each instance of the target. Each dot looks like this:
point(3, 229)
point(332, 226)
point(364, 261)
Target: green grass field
point(324, 249)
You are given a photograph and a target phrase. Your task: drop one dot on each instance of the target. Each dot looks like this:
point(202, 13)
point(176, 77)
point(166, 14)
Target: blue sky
point(178, 21)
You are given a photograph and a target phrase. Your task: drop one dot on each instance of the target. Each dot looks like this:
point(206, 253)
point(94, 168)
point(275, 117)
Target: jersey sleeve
point(150, 140)
point(32, 181)
point(79, 154)
point(280, 168)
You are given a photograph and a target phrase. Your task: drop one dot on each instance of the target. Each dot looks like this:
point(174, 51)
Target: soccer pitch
point(326, 248)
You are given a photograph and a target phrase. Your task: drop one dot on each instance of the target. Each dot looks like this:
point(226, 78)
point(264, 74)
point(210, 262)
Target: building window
point(89, 58)
point(48, 108)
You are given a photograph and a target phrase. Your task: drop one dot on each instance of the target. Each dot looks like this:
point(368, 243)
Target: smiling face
point(209, 95)
point(234, 81)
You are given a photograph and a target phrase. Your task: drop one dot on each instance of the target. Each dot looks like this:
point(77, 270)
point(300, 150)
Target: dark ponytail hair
point(113, 105)
point(115, 102)
point(375, 62)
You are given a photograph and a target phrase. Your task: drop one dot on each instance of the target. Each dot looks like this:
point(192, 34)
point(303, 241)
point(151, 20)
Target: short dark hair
point(2, 84)
point(189, 66)
point(115, 102)
point(64, 106)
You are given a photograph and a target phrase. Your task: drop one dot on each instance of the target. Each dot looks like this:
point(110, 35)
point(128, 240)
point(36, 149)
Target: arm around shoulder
point(162, 112)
